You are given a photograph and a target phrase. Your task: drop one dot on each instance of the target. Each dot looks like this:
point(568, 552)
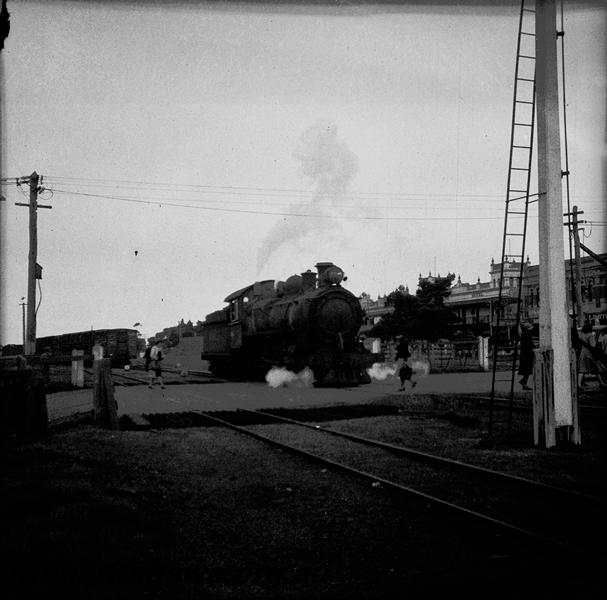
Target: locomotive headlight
point(335, 275)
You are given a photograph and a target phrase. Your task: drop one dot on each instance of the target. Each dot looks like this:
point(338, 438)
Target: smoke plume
point(281, 377)
point(420, 367)
point(329, 163)
point(381, 371)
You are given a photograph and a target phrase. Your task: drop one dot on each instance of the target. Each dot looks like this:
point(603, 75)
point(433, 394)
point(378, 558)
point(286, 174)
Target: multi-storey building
point(374, 310)
point(475, 303)
point(593, 287)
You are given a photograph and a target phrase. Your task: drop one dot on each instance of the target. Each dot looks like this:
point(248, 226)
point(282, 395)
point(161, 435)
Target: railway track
point(170, 375)
point(555, 519)
point(586, 409)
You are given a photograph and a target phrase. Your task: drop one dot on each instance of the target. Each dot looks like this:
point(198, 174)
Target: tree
point(187, 330)
point(173, 338)
point(423, 316)
point(401, 320)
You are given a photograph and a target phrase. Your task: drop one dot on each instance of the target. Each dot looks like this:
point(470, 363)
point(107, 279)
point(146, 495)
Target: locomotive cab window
point(234, 310)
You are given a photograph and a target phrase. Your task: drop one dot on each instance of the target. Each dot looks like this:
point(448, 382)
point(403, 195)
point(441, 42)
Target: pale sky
point(194, 148)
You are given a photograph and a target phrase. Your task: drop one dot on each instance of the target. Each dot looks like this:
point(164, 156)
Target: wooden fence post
point(545, 431)
point(104, 404)
point(23, 410)
point(543, 399)
point(576, 434)
point(78, 368)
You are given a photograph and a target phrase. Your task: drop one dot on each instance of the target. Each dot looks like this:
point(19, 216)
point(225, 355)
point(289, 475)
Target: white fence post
point(78, 368)
point(483, 353)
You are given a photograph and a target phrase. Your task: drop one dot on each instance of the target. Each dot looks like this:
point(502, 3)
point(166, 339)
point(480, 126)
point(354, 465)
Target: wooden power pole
point(578, 265)
point(23, 305)
point(30, 329)
point(554, 321)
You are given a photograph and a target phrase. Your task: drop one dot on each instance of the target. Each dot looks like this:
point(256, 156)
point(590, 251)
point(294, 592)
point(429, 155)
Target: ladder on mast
point(512, 264)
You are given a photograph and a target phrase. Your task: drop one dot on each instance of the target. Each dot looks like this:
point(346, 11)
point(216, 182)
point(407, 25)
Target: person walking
point(601, 356)
point(154, 368)
point(147, 360)
point(525, 364)
point(586, 363)
point(405, 372)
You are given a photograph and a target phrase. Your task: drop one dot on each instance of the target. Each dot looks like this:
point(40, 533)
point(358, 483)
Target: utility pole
point(30, 341)
point(554, 326)
point(23, 320)
point(29, 346)
point(578, 265)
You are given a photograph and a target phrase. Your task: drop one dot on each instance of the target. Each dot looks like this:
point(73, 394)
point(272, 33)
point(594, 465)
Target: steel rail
point(177, 370)
point(503, 525)
point(537, 485)
point(137, 379)
point(587, 410)
point(88, 372)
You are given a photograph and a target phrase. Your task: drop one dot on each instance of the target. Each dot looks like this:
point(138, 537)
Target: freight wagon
point(120, 345)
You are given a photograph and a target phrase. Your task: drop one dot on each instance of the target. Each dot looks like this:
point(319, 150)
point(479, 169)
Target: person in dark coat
point(525, 365)
point(146, 356)
point(405, 372)
point(586, 359)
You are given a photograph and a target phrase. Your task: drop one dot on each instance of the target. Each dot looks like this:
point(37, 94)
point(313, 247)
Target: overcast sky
point(190, 149)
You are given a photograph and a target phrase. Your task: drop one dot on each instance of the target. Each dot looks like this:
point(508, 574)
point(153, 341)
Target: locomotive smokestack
point(329, 274)
point(308, 281)
point(322, 268)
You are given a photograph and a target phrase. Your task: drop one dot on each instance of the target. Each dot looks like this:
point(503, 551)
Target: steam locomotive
point(309, 320)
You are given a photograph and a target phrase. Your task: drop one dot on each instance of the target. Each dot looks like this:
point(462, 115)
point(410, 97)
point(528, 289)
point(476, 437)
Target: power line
point(263, 191)
point(249, 189)
point(165, 199)
point(261, 212)
point(252, 191)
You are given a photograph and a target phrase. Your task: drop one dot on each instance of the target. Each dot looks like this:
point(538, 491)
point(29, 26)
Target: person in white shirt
point(155, 370)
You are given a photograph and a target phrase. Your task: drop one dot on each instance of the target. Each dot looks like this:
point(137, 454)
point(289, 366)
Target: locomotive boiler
point(309, 320)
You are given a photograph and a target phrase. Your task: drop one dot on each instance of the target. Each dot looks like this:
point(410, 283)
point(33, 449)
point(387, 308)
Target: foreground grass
point(205, 512)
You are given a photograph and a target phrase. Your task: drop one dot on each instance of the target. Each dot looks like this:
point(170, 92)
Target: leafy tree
point(423, 316)
point(401, 320)
point(173, 338)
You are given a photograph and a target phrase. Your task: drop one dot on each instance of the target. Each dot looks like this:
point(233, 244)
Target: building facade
point(373, 311)
point(594, 291)
point(476, 303)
